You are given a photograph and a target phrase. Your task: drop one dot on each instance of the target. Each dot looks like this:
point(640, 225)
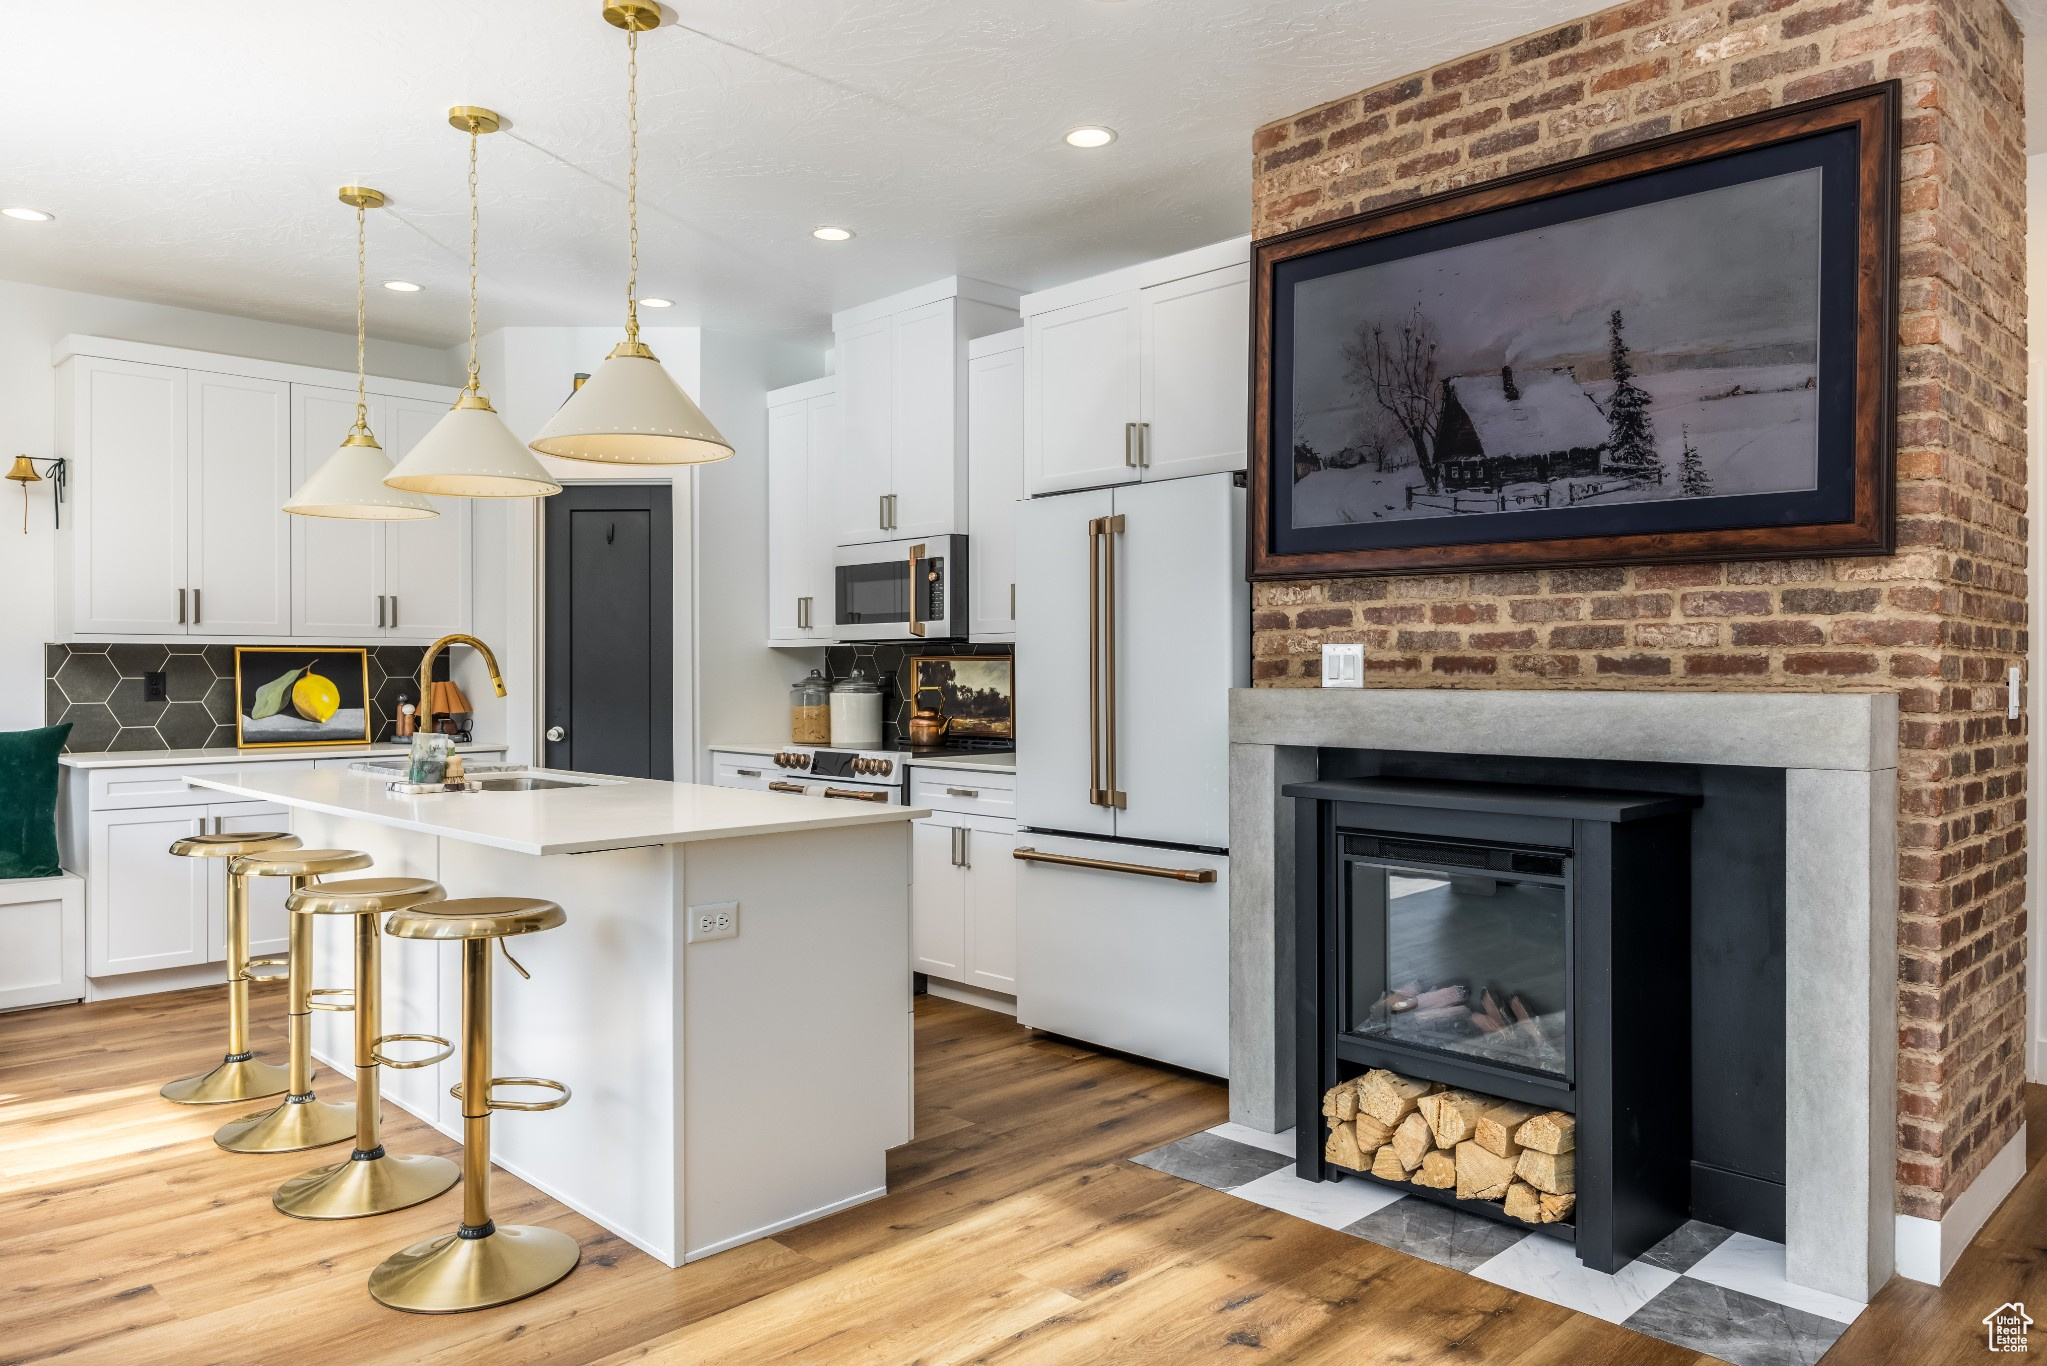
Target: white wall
point(32, 319)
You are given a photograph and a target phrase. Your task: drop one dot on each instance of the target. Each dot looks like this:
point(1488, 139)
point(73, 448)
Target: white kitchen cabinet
point(802, 441)
point(42, 941)
point(238, 542)
point(389, 580)
point(1193, 366)
point(938, 925)
point(963, 889)
point(752, 772)
point(125, 431)
point(268, 920)
point(146, 908)
point(995, 399)
point(1140, 374)
point(903, 401)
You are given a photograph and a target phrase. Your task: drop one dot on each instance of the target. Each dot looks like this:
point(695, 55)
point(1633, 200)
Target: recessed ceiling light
point(402, 286)
point(1090, 135)
point(657, 303)
point(832, 234)
point(28, 215)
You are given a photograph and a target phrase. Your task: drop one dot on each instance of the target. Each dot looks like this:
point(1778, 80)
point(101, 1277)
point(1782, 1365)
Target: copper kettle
point(927, 723)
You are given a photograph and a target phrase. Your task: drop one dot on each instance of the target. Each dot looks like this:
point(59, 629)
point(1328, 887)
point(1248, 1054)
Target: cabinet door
point(937, 901)
point(337, 564)
point(994, 487)
point(1194, 367)
point(991, 905)
point(929, 449)
point(147, 908)
point(1080, 395)
point(788, 522)
point(866, 371)
point(1179, 650)
point(426, 563)
point(267, 916)
point(239, 546)
point(129, 482)
point(1053, 683)
point(822, 428)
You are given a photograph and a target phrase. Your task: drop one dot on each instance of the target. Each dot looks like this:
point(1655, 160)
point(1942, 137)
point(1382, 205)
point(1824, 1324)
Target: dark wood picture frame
point(1870, 114)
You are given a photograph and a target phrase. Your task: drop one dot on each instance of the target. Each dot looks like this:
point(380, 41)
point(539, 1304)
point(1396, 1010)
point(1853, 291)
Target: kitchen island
point(723, 1089)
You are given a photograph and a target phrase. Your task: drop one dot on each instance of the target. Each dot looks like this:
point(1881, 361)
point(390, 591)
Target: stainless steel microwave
point(901, 590)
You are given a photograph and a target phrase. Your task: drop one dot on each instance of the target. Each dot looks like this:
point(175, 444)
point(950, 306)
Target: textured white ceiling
point(191, 151)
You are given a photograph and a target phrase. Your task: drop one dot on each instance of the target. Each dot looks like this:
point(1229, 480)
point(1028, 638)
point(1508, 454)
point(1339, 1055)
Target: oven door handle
point(1029, 855)
point(797, 788)
point(853, 796)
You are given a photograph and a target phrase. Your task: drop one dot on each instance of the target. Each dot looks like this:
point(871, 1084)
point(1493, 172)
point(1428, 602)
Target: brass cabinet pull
point(803, 614)
point(1027, 855)
point(1144, 445)
point(966, 846)
point(786, 787)
point(1129, 442)
point(963, 792)
point(747, 772)
point(853, 796)
point(954, 832)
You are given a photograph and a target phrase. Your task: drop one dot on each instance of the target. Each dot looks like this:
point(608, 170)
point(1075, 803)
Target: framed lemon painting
point(291, 695)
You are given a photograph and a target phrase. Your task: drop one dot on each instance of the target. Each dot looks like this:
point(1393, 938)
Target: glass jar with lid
point(856, 712)
point(810, 710)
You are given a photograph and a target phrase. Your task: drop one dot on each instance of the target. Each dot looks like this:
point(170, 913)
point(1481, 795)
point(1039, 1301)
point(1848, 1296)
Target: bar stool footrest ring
point(406, 1065)
point(278, 961)
point(317, 1004)
point(492, 1102)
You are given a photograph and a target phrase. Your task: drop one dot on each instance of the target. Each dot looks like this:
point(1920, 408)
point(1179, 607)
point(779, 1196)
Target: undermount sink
point(523, 783)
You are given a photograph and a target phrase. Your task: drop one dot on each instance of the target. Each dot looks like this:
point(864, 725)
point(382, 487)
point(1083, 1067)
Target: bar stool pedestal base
point(235, 1079)
point(449, 1274)
point(363, 1186)
point(289, 1127)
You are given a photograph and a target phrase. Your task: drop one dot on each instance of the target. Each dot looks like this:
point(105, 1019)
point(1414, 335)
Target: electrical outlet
point(1343, 666)
point(153, 688)
point(713, 920)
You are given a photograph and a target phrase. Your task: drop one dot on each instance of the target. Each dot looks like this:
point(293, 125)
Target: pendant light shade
point(350, 483)
point(631, 411)
point(470, 453)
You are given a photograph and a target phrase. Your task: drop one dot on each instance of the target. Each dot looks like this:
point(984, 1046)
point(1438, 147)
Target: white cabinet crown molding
point(951, 287)
point(800, 393)
point(1236, 251)
point(248, 367)
point(995, 343)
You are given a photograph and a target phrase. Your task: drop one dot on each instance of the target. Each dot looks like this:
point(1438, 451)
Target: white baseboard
point(126, 984)
point(1928, 1248)
point(971, 996)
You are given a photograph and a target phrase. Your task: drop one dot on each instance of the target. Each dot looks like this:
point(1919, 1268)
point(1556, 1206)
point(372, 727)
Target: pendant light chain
point(632, 183)
point(362, 402)
point(475, 382)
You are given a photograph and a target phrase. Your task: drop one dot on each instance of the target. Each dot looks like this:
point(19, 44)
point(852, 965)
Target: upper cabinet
point(803, 443)
point(179, 464)
point(995, 399)
point(901, 470)
point(1139, 374)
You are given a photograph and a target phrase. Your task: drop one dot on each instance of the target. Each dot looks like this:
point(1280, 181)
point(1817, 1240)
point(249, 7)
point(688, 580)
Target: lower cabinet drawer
point(968, 793)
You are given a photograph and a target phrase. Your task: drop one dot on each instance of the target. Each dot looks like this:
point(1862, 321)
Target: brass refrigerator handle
point(1112, 527)
point(1029, 855)
point(1094, 662)
point(853, 796)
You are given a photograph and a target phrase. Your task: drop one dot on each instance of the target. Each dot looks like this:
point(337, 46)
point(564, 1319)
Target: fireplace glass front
point(1458, 949)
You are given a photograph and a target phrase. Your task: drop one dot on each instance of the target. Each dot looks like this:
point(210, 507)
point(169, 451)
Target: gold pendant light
point(470, 453)
point(632, 412)
point(351, 482)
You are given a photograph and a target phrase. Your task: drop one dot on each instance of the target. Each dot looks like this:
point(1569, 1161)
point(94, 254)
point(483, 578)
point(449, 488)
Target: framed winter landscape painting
point(1680, 350)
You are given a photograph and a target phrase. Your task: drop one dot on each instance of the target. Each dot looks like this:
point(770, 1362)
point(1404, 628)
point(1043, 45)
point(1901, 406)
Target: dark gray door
point(610, 630)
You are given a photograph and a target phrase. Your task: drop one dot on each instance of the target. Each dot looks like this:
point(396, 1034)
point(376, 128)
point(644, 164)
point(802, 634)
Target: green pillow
point(28, 801)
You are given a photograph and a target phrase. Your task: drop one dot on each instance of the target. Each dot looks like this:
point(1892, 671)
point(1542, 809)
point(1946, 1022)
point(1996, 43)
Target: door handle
point(195, 607)
point(954, 832)
point(557, 734)
point(380, 611)
point(881, 513)
point(803, 614)
point(181, 607)
point(1101, 652)
point(916, 554)
point(1130, 445)
point(1144, 445)
point(1027, 855)
point(394, 611)
point(852, 796)
point(1012, 602)
point(966, 847)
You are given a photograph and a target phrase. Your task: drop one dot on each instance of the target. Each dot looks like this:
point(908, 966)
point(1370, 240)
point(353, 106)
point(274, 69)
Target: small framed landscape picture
point(979, 692)
point(293, 695)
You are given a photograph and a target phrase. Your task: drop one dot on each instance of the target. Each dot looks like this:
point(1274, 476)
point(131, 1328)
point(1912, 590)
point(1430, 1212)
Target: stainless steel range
point(861, 775)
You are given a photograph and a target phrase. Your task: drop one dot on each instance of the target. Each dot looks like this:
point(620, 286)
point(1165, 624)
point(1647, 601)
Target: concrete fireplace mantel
point(1839, 754)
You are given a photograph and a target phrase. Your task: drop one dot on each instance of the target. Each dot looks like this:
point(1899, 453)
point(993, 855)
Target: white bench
point(42, 940)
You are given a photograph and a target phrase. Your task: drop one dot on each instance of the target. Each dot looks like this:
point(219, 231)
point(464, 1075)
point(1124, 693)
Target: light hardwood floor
point(1014, 1231)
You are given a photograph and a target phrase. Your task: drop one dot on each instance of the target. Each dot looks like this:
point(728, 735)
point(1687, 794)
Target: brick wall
point(1938, 623)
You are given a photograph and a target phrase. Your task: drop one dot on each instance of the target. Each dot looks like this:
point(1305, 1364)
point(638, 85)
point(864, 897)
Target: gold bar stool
point(479, 1264)
point(301, 1119)
point(240, 1076)
point(371, 1181)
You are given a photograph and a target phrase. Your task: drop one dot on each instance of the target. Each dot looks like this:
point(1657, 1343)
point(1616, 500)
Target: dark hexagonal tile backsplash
point(99, 689)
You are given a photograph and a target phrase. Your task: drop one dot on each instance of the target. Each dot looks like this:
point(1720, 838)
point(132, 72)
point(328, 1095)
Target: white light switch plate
point(1343, 666)
point(713, 920)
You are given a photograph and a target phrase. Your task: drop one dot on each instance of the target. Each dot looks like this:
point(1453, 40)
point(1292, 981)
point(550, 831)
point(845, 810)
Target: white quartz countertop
point(616, 813)
point(174, 758)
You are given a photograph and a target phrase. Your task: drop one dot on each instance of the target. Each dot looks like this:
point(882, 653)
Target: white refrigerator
point(1132, 627)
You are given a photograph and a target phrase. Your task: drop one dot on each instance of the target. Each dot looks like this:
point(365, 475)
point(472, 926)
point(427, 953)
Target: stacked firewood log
point(1404, 1129)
